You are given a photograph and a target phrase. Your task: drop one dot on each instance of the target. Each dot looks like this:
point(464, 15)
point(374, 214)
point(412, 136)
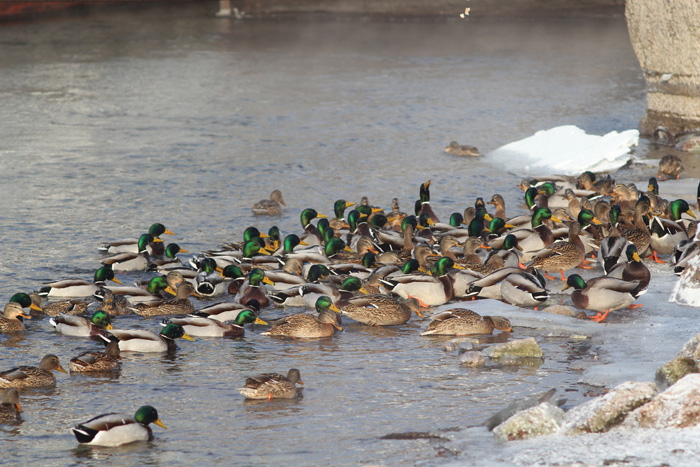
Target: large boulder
point(602, 413)
point(543, 419)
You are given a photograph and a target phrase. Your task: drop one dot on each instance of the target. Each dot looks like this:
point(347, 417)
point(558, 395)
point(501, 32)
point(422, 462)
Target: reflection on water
point(172, 115)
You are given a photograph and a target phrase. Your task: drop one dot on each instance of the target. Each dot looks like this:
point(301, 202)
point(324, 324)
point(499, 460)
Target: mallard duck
point(562, 255)
point(10, 408)
point(602, 186)
point(433, 290)
point(665, 234)
point(208, 327)
point(457, 149)
point(463, 322)
point(633, 269)
point(488, 286)
point(524, 289)
point(380, 309)
point(639, 235)
point(97, 362)
point(270, 207)
point(139, 261)
point(311, 235)
point(116, 429)
point(272, 386)
point(305, 325)
point(169, 261)
point(253, 290)
point(79, 288)
point(684, 141)
point(131, 245)
point(425, 207)
point(11, 318)
point(670, 166)
point(79, 326)
point(73, 307)
point(602, 294)
point(113, 304)
point(612, 248)
point(180, 305)
point(31, 376)
point(146, 341)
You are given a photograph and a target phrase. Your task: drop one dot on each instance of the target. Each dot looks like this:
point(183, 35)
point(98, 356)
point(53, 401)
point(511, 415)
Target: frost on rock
point(676, 407)
point(543, 419)
point(687, 288)
point(516, 348)
point(602, 413)
point(472, 358)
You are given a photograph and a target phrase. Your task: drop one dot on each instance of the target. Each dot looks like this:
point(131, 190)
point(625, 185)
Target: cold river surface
point(113, 120)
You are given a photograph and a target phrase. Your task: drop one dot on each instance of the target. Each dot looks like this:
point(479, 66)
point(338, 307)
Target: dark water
point(117, 119)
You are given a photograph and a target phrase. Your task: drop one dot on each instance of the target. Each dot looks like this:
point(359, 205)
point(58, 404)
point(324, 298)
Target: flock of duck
point(374, 266)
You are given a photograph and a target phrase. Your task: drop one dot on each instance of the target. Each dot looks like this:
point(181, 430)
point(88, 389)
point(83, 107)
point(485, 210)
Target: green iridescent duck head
point(147, 415)
point(547, 189)
point(586, 218)
point(173, 249)
point(252, 233)
point(442, 266)
point(317, 272)
point(159, 229)
point(678, 207)
point(307, 215)
point(232, 271)
point(104, 274)
point(498, 226)
point(158, 283)
point(411, 265)
point(323, 225)
point(339, 208)
point(412, 220)
point(369, 259)
point(145, 240)
point(207, 265)
point(253, 247)
point(632, 253)
point(352, 284)
point(273, 233)
point(475, 228)
point(365, 211)
point(530, 196)
point(101, 319)
point(576, 282)
point(291, 241)
point(174, 331)
point(456, 219)
point(247, 317)
point(256, 276)
point(324, 303)
point(334, 246)
point(417, 207)
point(378, 221)
point(540, 215)
point(424, 221)
point(510, 242)
point(353, 219)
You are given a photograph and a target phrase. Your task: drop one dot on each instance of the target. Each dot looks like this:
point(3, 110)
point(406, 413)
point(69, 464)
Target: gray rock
point(527, 347)
point(560, 310)
point(602, 413)
point(543, 419)
point(676, 407)
point(474, 358)
point(670, 372)
point(517, 406)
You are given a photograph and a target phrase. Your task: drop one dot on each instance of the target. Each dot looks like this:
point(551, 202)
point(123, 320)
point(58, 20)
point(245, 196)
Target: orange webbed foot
point(599, 318)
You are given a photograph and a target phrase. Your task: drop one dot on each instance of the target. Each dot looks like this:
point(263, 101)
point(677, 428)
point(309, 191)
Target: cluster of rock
point(672, 401)
point(514, 352)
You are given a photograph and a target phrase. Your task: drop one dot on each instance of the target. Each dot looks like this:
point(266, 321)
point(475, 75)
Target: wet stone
point(602, 413)
point(527, 347)
point(543, 419)
point(472, 358)
point(560, 310)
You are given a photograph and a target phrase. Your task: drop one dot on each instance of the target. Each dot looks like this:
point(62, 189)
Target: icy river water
point(114, 120)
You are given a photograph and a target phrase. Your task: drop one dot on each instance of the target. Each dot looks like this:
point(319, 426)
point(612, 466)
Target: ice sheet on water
point(567, 150)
